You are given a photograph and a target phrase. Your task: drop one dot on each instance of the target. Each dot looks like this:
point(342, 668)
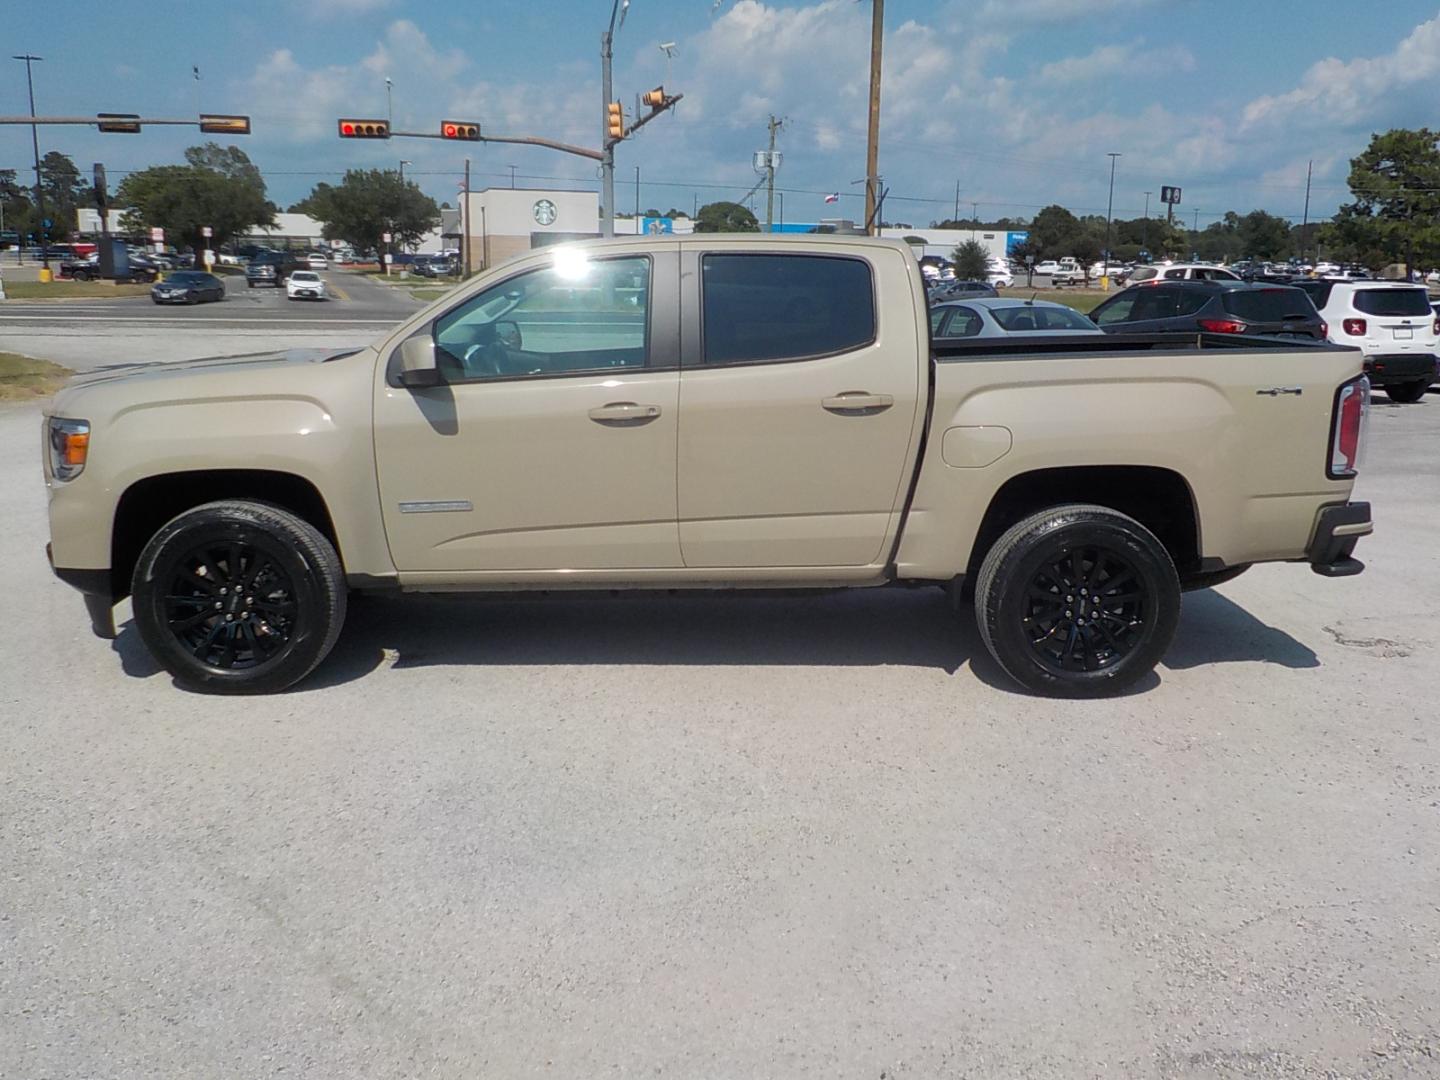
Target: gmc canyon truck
point(706, 412)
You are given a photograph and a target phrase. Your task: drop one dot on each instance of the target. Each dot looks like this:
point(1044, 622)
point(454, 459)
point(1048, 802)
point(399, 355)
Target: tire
point(249, 284)
point(1077, 546)
point(277, 626)
point(1208, 579)
point(1407, 393)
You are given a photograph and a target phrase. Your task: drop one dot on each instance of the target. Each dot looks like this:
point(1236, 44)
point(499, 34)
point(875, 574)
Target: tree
point(64, 192)
point(725, 217)
point(1055, 231)
point(218, 186)
point(1396, 212)
point(972, 261)
point(1264, 236)
point(369, 203)
point(15, 205)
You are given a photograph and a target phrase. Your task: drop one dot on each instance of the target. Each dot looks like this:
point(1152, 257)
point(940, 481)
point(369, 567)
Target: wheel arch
point(1158, 498)
point(148, 504)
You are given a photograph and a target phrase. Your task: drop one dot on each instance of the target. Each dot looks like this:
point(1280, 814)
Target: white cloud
point(1131, 60)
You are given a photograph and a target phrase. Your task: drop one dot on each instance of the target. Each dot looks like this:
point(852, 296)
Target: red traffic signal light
point(225, 125)
point(460, 129)
point(364, 129)
point(124, 123)
point(615, 120)
point(654, 98)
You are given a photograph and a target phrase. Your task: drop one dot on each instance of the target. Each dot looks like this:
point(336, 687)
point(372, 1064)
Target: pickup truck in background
point(706, 412)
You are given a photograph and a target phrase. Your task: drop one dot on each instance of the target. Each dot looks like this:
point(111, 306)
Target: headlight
point(69, 446)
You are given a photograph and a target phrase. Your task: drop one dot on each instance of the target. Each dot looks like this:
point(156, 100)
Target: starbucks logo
point(546, 212)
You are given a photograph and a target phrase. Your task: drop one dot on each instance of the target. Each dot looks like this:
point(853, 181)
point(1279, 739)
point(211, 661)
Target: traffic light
point(364, 129)
point(122, 123)
point(615, 120)
point(225, 125)
point(654, 98)
point(459, 129)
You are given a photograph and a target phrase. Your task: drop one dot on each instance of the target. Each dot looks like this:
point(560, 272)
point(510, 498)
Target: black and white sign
point(545, 212)
point(1170, 195)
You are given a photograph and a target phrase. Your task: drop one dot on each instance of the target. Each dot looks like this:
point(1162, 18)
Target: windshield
point(301, 275)
point(1023, 318)
point(1392, 301)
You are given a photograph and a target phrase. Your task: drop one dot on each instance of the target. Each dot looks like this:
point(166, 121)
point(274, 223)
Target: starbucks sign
point(545, 212)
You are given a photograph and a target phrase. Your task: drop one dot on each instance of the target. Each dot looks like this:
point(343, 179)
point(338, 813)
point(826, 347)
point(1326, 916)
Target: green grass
point(23, 378)
point(429, 294)
point(1082, 300)
point(52, 290)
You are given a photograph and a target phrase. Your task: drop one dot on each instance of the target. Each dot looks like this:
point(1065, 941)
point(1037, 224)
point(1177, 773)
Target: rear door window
point(964, 322)
point(1269, 305)
point(1025, 317)
point(1154, 304)
point(1189, 301)
point(1392, 301)
point(759, 308)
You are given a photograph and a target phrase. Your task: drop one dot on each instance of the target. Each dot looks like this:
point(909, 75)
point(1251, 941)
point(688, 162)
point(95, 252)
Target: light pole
point(1109, 212)
point(35, 146)
point(512, 177)
point(403, 163)
point(389, 112)
point(1145, 227)
point(607, 164)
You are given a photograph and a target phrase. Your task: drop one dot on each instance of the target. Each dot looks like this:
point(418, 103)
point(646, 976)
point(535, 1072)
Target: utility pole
point(403, 163)
point(872, 144)
point(389, 111)
point(1109, 213)
point(956, 218)
point(1197, 220)
point(512, 177)
point(35, 146)
point(1305, 221)
point(637, 200)
point(465, 224)
point(1145, 228)
point(974, 219)
point(775, 126)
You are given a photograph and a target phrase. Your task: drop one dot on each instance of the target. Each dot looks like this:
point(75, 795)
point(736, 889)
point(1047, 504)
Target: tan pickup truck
point(707, 412)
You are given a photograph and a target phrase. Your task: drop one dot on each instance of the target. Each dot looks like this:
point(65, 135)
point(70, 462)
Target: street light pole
point(403, 163)
point(1109, 213)
point(35, 146)
point(1145, 228)
point(607, 163)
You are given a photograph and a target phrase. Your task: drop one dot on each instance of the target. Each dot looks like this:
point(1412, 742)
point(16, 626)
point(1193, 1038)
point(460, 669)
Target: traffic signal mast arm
point(656, 108)
point(231, 123)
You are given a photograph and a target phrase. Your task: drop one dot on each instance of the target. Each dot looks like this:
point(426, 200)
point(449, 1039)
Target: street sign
point(157, 235)
point(385, 238)
point(208, 257)
point(219, 124)
point(389, 258)
point(1170, 195)
point(46, 223)
point(206, 231)
point(123, 123)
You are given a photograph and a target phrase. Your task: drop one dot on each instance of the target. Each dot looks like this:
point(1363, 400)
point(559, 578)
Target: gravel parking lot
point(733, 838)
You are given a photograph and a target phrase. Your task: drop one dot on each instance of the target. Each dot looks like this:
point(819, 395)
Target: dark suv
point(1217, 307)
point(271, 268)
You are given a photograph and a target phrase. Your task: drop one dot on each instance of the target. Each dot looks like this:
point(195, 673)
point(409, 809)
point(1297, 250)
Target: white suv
point(1181, 272)
point(1392, 323)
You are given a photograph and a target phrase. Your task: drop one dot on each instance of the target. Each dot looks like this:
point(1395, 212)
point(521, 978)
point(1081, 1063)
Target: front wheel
point(1407, 393)
point(1077, 601)
point(239, 597)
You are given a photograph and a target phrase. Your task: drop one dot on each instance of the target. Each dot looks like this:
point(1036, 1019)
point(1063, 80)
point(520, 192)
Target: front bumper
point(96, 589)
point(1337, 528)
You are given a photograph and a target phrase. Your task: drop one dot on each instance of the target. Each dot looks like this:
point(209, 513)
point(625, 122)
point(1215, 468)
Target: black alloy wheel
point(1077, 600)
point(239, 597)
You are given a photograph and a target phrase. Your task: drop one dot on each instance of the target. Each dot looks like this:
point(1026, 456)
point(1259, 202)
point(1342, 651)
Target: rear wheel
point(1409, 392)
point(239, 597)
point(1077, 601)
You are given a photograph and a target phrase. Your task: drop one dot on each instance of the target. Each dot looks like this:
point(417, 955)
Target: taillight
point(1354, 327)
point(1223, 326)
point(1435, 326)
point(1325, 328)
point(1352, 403)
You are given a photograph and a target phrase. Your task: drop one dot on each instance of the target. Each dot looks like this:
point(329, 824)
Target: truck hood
point(244, 375)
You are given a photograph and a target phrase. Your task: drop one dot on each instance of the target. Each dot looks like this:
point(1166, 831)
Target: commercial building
point(503, 222)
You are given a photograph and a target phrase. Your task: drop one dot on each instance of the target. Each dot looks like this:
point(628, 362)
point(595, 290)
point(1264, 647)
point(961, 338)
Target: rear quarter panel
point(1254, 463)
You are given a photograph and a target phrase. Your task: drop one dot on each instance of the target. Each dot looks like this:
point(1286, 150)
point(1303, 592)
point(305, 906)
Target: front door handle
point(858, 403)
point(624, 412)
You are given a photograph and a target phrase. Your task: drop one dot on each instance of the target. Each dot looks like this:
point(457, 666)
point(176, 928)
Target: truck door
point(550, 444)
point(799, 402)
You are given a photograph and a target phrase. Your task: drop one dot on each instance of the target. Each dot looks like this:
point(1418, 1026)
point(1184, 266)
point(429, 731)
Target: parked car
point(317, 261)
point(1392, 323)
point(1216, 307)
point(826, 442)
point(991, 318)
point(187, 287)
point(961, 290)
point(304, 285)
point(1047, 267)
point(1181, 272)
point(270, 268)
point(1069, 272)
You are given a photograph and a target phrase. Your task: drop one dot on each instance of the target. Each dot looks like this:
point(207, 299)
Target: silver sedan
point(995, 317)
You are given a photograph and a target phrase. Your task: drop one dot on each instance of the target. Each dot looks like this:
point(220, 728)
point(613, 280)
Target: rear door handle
point(860, 402)
point(624, 412)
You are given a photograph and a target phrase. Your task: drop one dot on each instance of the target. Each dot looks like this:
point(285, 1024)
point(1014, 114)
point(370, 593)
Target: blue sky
point(1016, 100)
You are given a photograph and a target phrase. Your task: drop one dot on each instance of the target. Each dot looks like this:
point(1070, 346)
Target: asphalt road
point(87, 334)
point(732, 838)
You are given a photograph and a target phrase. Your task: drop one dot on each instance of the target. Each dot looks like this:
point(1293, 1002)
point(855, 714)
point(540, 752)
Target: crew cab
point(706, 412)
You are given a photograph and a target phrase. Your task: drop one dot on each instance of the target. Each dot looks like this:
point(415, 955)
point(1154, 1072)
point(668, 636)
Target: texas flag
point(833, 197)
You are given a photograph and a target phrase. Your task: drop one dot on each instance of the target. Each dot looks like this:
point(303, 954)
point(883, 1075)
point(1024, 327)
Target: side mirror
point(418, 367)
